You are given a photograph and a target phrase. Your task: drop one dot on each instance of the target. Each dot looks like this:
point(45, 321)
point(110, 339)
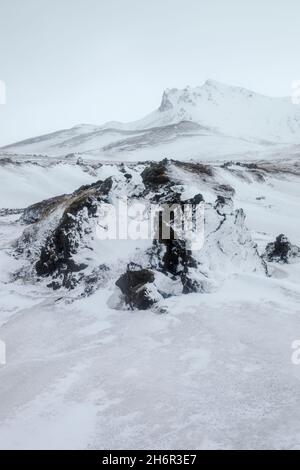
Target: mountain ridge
point(232, 111)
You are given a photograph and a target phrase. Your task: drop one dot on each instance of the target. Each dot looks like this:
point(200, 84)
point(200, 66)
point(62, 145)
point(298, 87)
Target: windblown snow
point(138, 344)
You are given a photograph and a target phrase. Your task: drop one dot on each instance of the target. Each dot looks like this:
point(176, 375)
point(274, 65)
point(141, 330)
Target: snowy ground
point(214, 372)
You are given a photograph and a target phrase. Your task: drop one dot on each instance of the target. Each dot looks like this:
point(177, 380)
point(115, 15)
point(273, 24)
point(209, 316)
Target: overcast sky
point(72, 61)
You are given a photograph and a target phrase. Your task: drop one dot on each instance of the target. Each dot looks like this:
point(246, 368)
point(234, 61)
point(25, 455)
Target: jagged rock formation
point(61, 240)
point(281, 251)
point(56, 255)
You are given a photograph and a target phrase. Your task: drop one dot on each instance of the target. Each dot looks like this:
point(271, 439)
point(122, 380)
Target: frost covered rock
point(135, 286)
point(37, 212)
point(281, 251)
point(56, 255)
point(61, 243)
point(156, 175)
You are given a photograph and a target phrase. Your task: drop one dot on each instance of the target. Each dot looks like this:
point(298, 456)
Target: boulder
point(281, 250)
point(134, 285)
point(155, 175)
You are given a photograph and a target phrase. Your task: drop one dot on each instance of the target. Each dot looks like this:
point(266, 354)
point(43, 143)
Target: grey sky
point(71, 61)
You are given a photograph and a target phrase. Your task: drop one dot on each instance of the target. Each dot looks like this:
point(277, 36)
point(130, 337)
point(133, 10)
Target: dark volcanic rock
point(37, 212)
point(196, 168)
point(170, 254)
point(5, 212)
point(156, 174)
point(281, 250)
point(177, 258)
point(174, 259)
point(6, 161)
point(56, 256)
point(61, 242)
point(224, 190)
point(133, 285)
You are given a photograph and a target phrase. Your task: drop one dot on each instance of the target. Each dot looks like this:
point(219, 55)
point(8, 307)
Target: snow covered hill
point(213, 119)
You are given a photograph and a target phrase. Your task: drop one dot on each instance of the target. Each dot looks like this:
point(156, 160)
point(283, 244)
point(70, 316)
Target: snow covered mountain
point(213, 119)
point(230, 110)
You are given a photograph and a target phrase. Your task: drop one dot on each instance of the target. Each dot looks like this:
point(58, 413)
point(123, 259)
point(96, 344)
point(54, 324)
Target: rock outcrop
point(61, 242)
point(281, 251)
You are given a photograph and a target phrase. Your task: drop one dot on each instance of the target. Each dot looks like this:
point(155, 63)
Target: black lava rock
point(133, 285)
point(155, 175)
point(56, 256)
point(281, 250)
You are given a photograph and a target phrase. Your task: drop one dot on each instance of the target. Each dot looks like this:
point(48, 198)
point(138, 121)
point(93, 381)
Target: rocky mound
point(62, 244)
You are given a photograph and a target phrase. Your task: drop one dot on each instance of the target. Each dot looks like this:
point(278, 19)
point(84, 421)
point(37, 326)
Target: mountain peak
point(191, 95)
point(210, 88)
point(232, 110)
